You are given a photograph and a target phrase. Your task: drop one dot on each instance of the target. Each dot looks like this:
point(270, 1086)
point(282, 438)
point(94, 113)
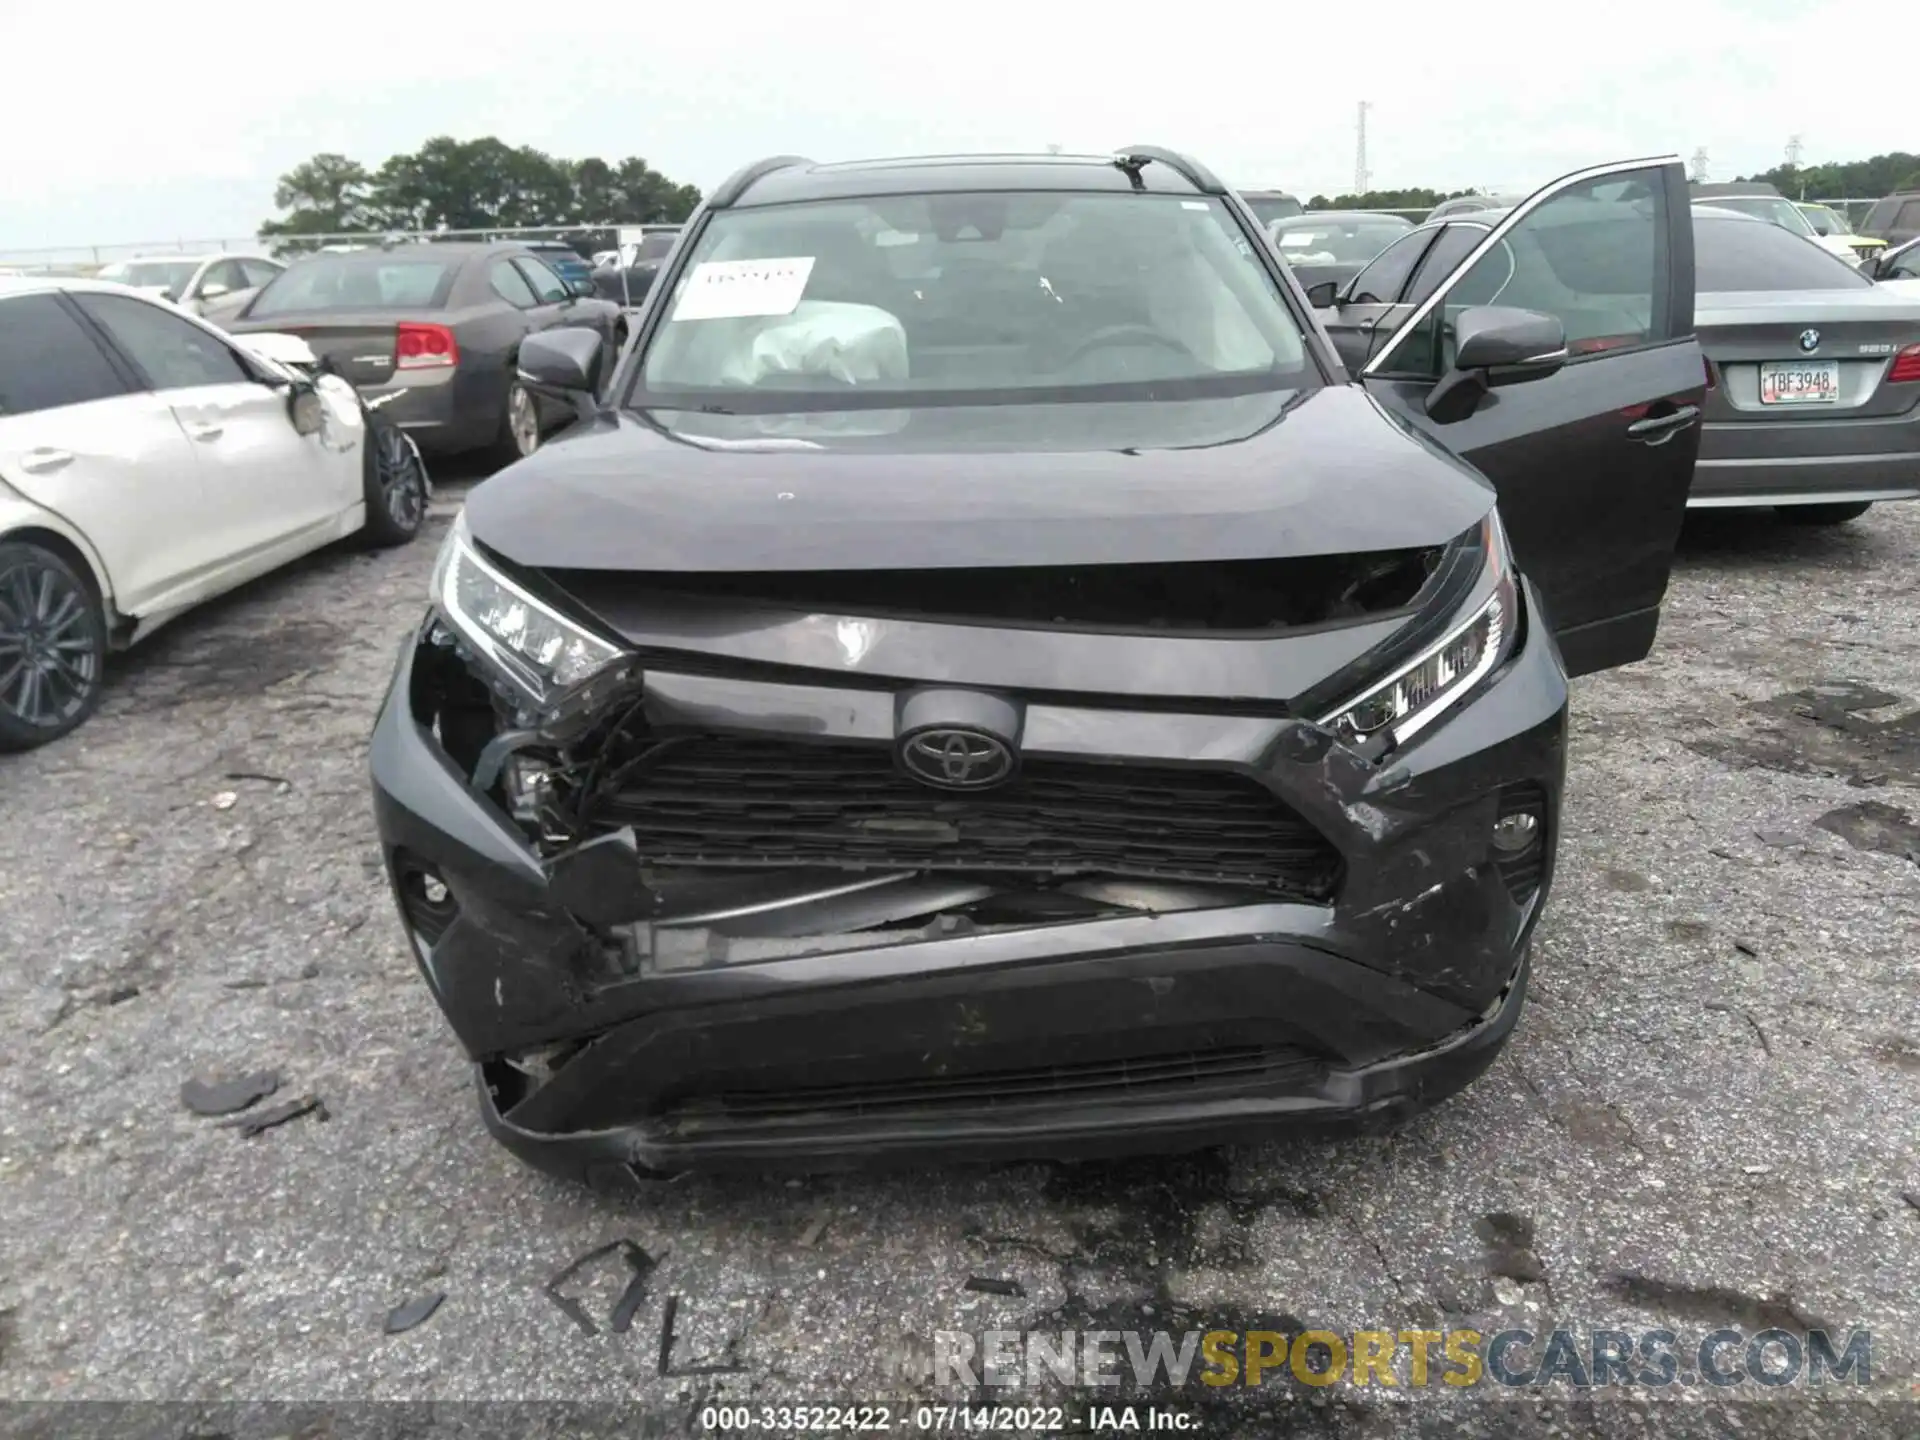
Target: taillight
point(420, 346)
point(1906, 366)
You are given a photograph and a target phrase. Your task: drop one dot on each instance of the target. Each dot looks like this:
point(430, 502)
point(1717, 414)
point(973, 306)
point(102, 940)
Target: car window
point(1592, 256)
point(362, 280)
point(1777, 208)
point(548, 286)
point(1905, 265)
point(1053, 294)
point(224, 272)
point(259, 272)
point(1909, 216)
point(1269, 208)
point(172, 276)
point(47, 359)
point(1383, 280)
point(1311, 241)
point(172, 352)
point(1733, 255)
point(1456, 242)
point(511, 286)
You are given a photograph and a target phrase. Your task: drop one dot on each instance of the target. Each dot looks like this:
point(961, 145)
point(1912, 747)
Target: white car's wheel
point(53, 646)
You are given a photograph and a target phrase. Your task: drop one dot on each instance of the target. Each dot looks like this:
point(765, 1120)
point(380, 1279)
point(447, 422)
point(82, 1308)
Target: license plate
point(1800, 382)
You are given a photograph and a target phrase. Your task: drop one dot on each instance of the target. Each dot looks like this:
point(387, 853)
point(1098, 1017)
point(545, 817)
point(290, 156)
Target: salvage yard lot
point(1708, 1116)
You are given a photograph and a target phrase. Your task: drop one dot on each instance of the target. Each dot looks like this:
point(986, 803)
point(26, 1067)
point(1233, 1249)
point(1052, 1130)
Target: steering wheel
point(1130, 334)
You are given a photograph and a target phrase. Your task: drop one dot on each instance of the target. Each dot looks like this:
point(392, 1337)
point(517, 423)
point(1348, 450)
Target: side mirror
point(305, 408)
point(581, 286)
point(563, 364)
point(1495, 345)
point(1323, 295)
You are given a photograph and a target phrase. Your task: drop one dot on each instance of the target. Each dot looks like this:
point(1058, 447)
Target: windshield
point(1780, 211)
point(1733, 255)
point(172, 275)
point(362, 281)
point(1825, 221)
point(1309, 241)
point(971, 298)
point(1269, 208)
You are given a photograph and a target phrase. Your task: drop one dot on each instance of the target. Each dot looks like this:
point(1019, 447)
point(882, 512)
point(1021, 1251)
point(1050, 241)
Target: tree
point(1845, 180)
point(325, 195)
point(1414, 199)
point(482, 184)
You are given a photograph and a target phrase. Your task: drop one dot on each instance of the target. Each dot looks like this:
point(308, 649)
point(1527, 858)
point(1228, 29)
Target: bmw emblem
point(1809, 340)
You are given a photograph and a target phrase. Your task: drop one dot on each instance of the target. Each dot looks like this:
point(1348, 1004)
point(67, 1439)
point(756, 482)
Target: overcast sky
point(177, 126)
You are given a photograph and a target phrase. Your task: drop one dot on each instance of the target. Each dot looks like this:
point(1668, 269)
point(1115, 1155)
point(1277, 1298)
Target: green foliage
point(1845, 180)
point(1417, 198)
point(482, 184)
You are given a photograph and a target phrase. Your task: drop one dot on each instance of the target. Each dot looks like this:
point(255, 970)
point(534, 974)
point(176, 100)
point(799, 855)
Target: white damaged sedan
point(148, 463)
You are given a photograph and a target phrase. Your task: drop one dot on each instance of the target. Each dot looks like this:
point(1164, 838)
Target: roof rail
point(738, 183)
point(1131, 157)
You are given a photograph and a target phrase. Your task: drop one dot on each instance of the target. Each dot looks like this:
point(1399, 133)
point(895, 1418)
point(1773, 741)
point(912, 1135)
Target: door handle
point(1658, 429)
point(205, 432)
point(44, 461)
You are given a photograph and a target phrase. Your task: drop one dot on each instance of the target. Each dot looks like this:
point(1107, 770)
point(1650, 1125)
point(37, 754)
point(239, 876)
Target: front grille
point(739, 801)
point(1139, 1077)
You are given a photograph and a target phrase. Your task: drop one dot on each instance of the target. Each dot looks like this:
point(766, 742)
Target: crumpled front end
point(827, 874)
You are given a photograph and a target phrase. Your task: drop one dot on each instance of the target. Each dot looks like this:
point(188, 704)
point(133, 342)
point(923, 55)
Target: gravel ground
point(1707, 1117)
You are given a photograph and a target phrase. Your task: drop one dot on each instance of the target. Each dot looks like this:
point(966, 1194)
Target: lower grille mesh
point(751, 801)
point(1140, 1077)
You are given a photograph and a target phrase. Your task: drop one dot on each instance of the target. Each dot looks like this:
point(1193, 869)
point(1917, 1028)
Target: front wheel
point(1823, 514)
point(53, 646)
point(396, 486)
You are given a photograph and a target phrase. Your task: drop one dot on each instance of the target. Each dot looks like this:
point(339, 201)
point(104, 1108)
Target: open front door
point(1593, 460)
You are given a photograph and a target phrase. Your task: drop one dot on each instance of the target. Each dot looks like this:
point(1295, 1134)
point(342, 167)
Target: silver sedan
point(1814, 398)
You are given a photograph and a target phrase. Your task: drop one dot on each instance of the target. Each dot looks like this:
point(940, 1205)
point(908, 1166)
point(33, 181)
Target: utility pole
point(1700, 166)
point(1361, 175)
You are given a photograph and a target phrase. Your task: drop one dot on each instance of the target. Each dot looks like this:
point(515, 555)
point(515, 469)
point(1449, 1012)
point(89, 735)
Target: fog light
point(1516, 832)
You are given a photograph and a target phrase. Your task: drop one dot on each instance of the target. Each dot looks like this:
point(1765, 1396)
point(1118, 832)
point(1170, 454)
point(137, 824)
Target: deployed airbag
point(854, 344)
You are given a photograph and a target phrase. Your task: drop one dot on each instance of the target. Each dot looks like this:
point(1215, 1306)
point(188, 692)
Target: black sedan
point(439, 327)
point(985, 679)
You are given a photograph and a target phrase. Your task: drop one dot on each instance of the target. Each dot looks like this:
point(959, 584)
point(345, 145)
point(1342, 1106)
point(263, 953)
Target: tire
point(516, 440)
point(1823, 514)
point(396, 486)
point(51, 620)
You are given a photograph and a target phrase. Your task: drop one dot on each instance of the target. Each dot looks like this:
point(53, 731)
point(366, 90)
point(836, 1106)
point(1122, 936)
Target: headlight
point(1423, 689)
point(543, 663)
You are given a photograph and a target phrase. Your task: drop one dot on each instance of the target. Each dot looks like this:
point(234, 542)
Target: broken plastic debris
point(638, 1261)
point(992, 1285)
point(251, 1125)
point(228, 1097)
point(414, 1312)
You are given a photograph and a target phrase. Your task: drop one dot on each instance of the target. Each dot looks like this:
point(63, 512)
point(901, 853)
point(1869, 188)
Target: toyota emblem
point(1809, 340)
point(956, 759)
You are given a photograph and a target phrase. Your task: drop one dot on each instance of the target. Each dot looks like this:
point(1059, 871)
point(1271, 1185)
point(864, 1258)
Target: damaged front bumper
point(626, 1022)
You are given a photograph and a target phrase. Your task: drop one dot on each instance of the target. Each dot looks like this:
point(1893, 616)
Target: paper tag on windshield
point(734, 289)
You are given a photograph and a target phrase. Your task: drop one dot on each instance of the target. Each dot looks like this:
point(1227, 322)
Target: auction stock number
point(928, 1419)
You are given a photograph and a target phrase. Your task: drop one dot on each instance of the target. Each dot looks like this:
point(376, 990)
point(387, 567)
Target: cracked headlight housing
point(1423, 689)
point(542, 663)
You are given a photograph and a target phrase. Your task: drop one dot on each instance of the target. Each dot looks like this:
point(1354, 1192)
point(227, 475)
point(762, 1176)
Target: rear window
point(1733, 255)
point(357, 282)
point(170, 275)
point(1777, 208)
point(1307, 241)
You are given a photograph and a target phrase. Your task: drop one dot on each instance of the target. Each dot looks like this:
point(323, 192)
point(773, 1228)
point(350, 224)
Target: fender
point(19, 513)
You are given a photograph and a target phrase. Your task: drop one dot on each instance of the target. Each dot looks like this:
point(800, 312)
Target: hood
point(1320, 472)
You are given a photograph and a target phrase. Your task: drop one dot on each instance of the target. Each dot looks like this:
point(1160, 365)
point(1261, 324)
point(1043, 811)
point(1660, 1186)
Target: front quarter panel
point(17, 513)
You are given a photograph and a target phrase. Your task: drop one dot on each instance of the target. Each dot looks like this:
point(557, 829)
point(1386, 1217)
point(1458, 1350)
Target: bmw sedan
point(984, 678)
